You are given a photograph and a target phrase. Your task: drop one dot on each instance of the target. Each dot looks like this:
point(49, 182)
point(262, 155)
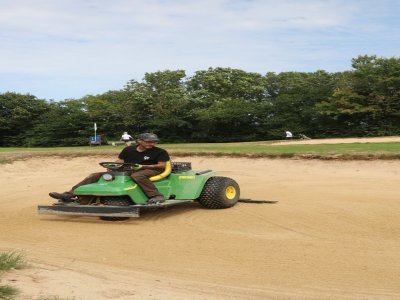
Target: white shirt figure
point(126, 137)
point(289, 135)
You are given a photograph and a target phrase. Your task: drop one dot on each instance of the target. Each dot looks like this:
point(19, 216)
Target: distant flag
point(95, 128)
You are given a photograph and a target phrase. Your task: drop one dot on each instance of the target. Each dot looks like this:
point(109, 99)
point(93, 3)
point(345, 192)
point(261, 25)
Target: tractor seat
point(164, 174)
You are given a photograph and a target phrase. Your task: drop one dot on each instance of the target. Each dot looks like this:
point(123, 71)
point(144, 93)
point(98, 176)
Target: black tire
point(116, 201)
point(86, 200)
point(219, 192)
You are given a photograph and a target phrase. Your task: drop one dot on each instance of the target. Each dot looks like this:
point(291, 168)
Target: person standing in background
point(289, 135)
point(126, 138)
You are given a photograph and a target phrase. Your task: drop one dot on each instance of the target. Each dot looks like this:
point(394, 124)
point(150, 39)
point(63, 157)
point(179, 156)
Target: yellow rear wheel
point(230, 192)
point(219, 192)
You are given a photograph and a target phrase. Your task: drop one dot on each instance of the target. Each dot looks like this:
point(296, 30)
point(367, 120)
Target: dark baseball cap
point(147, 136)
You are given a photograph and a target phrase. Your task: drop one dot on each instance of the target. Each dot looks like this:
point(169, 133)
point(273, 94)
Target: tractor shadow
point(168, 211)
point(146, 214)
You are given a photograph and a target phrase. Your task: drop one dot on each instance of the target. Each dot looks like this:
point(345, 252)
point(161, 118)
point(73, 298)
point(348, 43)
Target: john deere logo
point(130, 187)
point(186, 177)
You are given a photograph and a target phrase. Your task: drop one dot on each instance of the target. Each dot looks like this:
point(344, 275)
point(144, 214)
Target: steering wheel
point(115, 166)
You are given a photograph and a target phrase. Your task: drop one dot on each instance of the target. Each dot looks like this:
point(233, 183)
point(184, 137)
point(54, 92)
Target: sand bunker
point(334, 234)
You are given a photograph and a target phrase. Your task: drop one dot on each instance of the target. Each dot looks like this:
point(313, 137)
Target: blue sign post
point(95, 140)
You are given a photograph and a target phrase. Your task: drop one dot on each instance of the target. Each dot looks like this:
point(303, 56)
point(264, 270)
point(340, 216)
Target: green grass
point(15, 260)
point(58, 149)
point(356, 151)
point(11, 260)
point(8, 292)
point(319, 148)
point(386, 150)
point(8, 261)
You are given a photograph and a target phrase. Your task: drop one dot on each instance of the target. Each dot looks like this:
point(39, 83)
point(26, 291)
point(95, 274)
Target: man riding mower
point(142, 177)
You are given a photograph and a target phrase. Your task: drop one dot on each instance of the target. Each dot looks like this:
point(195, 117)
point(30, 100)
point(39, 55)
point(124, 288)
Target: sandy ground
point(333, 234)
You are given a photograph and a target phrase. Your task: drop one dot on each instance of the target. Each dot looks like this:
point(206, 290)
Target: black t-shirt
point(148, 157)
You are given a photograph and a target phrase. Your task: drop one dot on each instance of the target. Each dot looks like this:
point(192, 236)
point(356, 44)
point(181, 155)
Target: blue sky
point(64, 49)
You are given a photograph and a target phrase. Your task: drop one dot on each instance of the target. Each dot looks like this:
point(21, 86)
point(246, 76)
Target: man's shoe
point(65, 202)
point(156, 200)
point(64, 196)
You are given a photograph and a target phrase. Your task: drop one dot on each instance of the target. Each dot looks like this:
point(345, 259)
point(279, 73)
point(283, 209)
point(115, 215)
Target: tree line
point(217, 105)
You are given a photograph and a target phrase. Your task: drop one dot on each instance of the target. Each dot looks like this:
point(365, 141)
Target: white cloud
point(115, 41)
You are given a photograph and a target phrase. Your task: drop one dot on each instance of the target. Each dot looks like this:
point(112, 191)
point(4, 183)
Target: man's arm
point(159, 165)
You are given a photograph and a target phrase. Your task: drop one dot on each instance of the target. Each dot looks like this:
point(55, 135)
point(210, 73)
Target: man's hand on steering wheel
point(120, 166)
point(136, 167)
point(112, 166)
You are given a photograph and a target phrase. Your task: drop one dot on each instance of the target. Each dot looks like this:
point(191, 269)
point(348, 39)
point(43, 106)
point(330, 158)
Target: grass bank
point(390, 150)
point(344, 151)
point(8, 261)
point(14, 260)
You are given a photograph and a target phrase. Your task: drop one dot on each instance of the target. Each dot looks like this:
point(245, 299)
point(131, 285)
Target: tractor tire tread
point(213, 194)
point(116, 201)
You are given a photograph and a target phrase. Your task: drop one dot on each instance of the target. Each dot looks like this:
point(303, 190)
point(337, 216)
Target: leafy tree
point(378, 81)
point(367, 99)
point(292, 97)
point(17, 115)
point(160, 104)
point(225, 104)
point(110, 112)
point(217, 104)
point(65, 124)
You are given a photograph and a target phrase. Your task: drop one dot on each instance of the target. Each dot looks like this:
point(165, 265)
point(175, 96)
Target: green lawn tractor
point(117, 197)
